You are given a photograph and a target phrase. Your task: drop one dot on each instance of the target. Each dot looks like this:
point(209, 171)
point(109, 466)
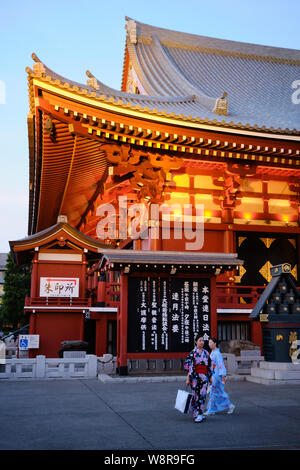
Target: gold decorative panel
point(265, 271)
point(267, 241)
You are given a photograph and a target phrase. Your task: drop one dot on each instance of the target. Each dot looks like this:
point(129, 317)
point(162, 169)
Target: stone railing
point(242, 364)
point(42, 367)
point(234, 364)
point(80, 365)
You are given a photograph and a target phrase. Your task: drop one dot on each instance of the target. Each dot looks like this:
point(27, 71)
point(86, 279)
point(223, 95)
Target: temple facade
point(199, 153)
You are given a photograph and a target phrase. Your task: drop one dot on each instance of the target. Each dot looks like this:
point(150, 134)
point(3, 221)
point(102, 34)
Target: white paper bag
point(183, 401)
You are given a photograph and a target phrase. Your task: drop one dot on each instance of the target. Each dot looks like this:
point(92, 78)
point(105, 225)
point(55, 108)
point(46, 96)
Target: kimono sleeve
point(220, 366)
point(209, 368)
point(189, 363)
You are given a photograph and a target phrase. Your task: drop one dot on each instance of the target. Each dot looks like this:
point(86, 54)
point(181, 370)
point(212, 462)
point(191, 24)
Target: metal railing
point(112, 294)
point(12, 333)
point(58, 301)
point(237, 296)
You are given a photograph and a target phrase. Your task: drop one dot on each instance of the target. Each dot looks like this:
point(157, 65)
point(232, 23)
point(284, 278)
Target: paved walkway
point(90, 414)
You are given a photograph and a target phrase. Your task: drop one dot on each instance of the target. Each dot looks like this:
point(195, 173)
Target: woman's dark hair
point(214, 340)
point(198, 336)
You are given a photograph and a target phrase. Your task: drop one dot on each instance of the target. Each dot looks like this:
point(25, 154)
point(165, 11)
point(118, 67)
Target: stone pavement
point(89, 414)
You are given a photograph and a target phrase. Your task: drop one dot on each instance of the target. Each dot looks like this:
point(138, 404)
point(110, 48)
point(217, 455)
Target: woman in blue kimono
point(198, 365)
point(218, 399)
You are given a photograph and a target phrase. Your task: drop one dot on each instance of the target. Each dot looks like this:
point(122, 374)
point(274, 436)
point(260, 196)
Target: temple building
point(204, 136)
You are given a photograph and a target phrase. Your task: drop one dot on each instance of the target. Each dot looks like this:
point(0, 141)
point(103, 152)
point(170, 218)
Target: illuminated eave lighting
point(248, 217)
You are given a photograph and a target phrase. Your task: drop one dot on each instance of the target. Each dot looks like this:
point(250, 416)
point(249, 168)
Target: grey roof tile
point(169, 257)
point(258, 79)
point(183, 75)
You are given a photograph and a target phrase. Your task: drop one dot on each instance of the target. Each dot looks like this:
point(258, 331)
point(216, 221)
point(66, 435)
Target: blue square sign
point(23, 343)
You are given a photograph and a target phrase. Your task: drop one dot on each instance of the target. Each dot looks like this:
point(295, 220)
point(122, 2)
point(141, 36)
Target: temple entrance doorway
point(90, 335)
point(112, 337)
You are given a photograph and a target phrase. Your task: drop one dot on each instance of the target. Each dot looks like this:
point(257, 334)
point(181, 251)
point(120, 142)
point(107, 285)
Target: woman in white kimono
point(218, 399)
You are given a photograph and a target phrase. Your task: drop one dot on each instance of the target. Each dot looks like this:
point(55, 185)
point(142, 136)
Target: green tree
point(16, 287)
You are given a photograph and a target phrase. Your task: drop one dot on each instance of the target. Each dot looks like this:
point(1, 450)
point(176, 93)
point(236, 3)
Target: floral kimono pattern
point(218, 399)
point(198, 364)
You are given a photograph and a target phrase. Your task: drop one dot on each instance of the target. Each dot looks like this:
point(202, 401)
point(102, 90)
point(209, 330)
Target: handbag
point(183, 401)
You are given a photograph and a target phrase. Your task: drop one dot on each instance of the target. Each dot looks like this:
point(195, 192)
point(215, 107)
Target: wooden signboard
point(164, 315)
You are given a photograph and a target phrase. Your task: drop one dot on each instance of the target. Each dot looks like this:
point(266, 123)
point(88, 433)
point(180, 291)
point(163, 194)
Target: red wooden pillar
point(213, 307)
point(137, 244)
point(83, 279)
point(101, 337)
point(81, 331)
point(32, 331)
point(32, 324)
point(256, 333)
point(298, 244)
point(101, 290)
point(34, 278)
point(123, 324)
point(155, 234)
point(228, 241)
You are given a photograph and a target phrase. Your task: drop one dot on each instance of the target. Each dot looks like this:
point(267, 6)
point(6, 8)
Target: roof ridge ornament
point(92, 81)
point(221, 106)
point(131, 30)
point(62, 219)
point(38, 67)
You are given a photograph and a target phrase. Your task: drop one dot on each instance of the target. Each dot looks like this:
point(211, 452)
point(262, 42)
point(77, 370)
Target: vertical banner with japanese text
point(165, 314)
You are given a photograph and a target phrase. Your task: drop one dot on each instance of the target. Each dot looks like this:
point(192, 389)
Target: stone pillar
point(92, 365)
point(231, 364)
point(40, 371)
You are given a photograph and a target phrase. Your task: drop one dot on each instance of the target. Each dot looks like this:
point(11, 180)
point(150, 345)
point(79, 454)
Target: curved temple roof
point(258, 79)
point(184, 76)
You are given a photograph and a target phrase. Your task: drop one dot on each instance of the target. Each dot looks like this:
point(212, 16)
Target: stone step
point(262, 373)
point(280, 366)
point(275, 374)
point(262, 381)
point(287, 375)
point(105, 378)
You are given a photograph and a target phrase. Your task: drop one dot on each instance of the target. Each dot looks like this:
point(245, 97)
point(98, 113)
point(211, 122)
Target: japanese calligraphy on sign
point(164, 315)
point(59, 287)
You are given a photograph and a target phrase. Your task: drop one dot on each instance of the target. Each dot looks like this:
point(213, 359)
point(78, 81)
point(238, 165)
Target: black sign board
point(165, 314)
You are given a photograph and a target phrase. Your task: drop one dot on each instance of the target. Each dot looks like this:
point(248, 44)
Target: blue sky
point(73, 36)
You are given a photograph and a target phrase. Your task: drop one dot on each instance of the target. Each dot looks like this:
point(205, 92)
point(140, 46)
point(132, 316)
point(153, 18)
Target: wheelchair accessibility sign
point(28, 342)
point(23, 342)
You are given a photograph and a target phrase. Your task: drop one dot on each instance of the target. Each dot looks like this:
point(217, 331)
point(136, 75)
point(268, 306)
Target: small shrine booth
point(278, 311)
point(58, 307)
point(167, 297)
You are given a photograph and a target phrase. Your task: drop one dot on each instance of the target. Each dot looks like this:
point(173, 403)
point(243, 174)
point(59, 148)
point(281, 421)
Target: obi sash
point(200, 369)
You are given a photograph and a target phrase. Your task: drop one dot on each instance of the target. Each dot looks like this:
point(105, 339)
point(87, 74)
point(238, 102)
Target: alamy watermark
point(2, 92)
point(296, 94)
point(140, 221)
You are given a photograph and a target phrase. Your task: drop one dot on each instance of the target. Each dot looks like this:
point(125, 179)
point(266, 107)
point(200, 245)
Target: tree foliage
point(16, 287)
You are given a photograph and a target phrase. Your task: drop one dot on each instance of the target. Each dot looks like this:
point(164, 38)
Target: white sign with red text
point(59, 287)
